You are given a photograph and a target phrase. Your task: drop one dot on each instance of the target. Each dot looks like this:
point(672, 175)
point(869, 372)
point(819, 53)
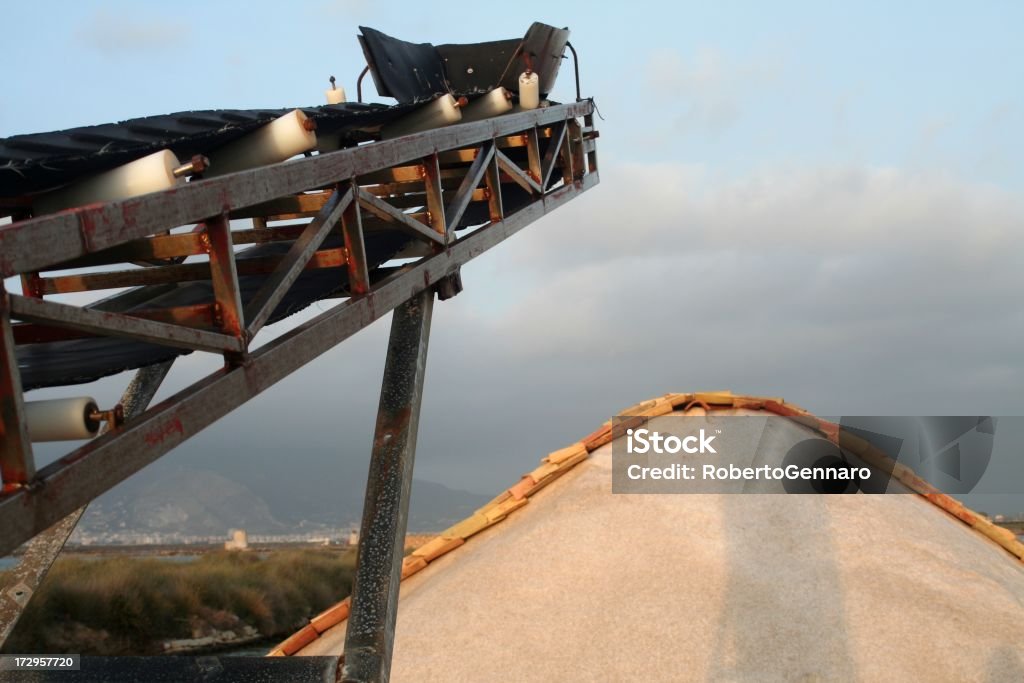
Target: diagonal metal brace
point(517, 174)
point(385, 211)
point(472, 180)
point(270, 293)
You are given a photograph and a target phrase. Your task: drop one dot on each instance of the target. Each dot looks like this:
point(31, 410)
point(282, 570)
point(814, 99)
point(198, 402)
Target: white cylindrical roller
point(529, 90)
point(280, 139)
point(148, 174)
point(443, 111)
point(61, 419)
point(494, 103)
point(335, 95)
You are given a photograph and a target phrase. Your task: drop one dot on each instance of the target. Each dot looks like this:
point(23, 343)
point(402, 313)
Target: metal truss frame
point(420, 185)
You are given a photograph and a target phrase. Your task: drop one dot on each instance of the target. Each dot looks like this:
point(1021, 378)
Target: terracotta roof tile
point(298, 640)
point(332, 616)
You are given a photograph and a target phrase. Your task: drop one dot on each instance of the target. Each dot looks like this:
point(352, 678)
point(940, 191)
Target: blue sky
point(912, 84)
point(815, 200)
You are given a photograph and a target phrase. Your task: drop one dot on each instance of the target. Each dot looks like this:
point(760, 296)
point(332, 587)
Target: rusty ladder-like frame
point(376, 186)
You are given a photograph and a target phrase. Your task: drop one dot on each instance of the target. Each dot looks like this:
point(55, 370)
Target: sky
point(819, 201)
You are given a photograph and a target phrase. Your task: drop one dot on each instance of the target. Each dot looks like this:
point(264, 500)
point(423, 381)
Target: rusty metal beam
point(156, 247)
point(492, 180)
point(402, 221)
point(370, 632)
point(435, 196)
point(194, 315)
point(87, 472)
point(451, 162)
point(32, 285)
point(299, 203)
point(533, 155)
point(120, 325)
point(224, 277)
point(589, 133)
point(552, 153)
point(400, 178)
point(469, 184)
point(37, 243)
point(571, 166)
point(412, 200)
point(182, 244)
point(355, 247)
point(517, 174)
point(17, 466)
point(184, 272)
point(270, 293)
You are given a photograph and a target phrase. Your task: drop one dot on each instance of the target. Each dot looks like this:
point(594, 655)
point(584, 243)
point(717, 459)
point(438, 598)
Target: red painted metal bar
point(80, 476)
point(35, 244)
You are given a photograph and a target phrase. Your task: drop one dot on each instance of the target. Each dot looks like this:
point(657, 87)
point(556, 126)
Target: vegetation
point(131, 606)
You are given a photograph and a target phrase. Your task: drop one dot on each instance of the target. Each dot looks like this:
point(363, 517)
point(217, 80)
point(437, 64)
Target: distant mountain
point(179, 499)
point(195, 501)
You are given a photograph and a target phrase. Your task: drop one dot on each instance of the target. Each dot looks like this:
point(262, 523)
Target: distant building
point(239, 540)
point(353, 537)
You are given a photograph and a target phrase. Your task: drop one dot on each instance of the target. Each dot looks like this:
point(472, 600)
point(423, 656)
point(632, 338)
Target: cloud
point(116, 35)
point(823, 212)
point(770, 276)
point(848, 290)
point(707, 87)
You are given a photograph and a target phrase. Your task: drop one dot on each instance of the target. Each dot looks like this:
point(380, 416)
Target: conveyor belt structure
point(383, 223)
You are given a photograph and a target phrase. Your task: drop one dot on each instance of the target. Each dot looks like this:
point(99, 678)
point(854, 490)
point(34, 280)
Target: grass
point(129, 606)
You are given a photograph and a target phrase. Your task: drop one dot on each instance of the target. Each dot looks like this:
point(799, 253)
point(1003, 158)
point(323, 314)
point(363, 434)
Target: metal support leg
point(24, 580)
point(17, 466)
point(371, 626)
